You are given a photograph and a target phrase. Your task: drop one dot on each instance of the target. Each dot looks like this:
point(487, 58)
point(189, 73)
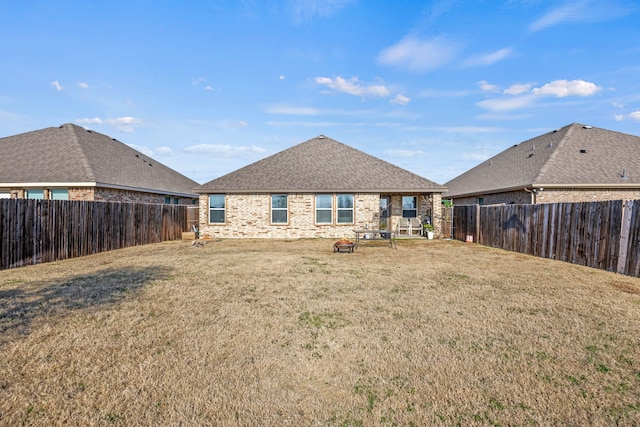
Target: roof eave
point(93, 184)
point(316, 190)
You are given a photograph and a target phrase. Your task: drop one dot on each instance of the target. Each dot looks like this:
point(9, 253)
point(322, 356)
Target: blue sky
point(209, 86)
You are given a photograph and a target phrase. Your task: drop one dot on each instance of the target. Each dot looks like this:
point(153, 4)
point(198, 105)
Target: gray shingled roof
point(574, 156)
point(321, 164)
point(70, 154)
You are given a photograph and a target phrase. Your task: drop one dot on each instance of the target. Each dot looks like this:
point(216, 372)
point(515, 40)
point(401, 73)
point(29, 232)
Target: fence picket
point(585, 233)
point(37, 231)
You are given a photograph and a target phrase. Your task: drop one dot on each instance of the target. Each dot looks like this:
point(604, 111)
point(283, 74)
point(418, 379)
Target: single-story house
point(319, 188)
point(576, 163)
point(73, 163)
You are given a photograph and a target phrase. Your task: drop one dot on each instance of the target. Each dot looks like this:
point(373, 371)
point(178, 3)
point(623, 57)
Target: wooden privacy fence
point(604, 235)
point(38, 231)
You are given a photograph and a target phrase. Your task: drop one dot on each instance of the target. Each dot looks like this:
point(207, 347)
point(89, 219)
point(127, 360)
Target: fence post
point(627, 209)
point(477, 237)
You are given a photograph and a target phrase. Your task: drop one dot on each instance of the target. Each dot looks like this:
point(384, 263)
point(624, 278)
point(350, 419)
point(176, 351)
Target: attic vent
point(555, 130)
point(583, 151)
point(587, 127)
point(137, 155)
point(321, 137)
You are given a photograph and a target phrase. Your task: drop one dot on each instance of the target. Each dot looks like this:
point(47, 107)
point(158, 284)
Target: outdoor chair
point(415, 226)
point(404, 226)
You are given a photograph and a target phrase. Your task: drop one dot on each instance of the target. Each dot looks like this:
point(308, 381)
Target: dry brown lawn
point(277, 333)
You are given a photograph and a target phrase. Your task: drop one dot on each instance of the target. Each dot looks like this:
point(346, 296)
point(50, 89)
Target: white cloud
point(488, 59)
point(487, 87)
point(144, 150)
point(83, 85)
point(224, 150)
point(165, 151)
point(419, 55)
point(281, 77)
point(581, 11)
point(474, 157)
point(562, 88)
point(507, 103)
point(353, 86)
point(618, 117)
point(517, 89)
point(292, 111)
point(635, 115)
point(522, 96)
point(125, 124)
point(306, 9)
point(57, 85)
point(94, 121)
point(400, 100)
point(403, 153)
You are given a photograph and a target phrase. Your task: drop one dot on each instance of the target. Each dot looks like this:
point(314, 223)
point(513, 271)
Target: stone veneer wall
point(249, 215)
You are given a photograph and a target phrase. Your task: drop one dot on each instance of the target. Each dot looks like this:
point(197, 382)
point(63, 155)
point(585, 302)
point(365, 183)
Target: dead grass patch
point(275, 332)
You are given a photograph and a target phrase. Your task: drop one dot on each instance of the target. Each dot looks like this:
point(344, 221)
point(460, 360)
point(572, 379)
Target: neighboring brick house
point(576, 163)
point(319, 188)
point(73, 163)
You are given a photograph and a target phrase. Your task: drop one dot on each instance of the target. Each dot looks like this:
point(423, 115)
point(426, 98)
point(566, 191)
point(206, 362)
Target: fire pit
point(343, 245)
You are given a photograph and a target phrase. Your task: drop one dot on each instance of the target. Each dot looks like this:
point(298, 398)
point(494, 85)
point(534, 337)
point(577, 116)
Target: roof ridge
point(564, 132)
point(86, 164)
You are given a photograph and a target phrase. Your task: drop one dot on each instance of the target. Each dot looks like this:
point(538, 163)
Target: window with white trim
point(279, 209)
point(217, 205)
point(345, 208)
point(324, 208)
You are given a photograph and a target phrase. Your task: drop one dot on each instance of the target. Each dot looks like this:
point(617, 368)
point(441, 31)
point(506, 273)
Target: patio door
point(385, 212)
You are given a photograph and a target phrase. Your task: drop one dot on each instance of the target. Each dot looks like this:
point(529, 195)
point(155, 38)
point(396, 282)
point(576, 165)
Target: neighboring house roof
point(575, 156)
point(320, 164)
point(70, 155)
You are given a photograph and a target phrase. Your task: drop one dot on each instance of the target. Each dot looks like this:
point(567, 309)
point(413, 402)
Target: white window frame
point(343, 210)
point(222, 209)
point(285, 209)
point(324, 209)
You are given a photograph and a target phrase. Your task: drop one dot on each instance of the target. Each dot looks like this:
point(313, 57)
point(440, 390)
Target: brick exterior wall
point(508, 198)
point(108, 195)
point(595, 195)
point(551, 196)
point(249, 216)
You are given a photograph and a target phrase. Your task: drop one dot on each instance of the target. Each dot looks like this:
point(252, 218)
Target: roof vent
point(624, 174)
point(321, 137)
point(583, 151)
point(550, 144)
point(587, 127)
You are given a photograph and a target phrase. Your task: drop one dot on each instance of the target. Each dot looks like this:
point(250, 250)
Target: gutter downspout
point(533, 194)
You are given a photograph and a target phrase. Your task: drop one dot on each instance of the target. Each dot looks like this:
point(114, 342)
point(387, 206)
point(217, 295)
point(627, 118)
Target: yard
point(286, 332)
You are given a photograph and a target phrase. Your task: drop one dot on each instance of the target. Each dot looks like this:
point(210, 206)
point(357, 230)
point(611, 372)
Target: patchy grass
point(286, 332)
